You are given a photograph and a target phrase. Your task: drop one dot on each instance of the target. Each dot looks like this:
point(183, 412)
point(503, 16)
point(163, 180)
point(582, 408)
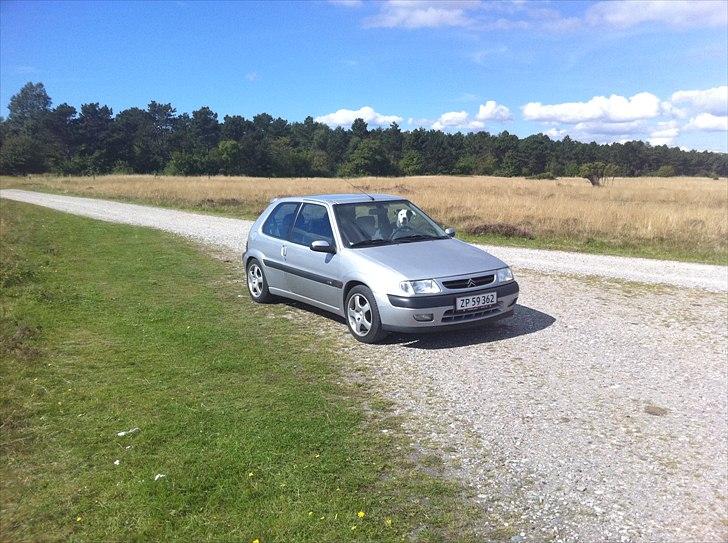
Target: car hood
point(432, 259)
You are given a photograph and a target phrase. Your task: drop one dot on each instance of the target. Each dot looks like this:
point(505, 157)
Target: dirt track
point(599, 412)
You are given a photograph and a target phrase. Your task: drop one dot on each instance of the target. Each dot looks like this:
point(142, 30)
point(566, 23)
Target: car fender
point(381, 280)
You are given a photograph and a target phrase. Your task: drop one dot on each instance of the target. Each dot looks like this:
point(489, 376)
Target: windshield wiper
point(369, 243)
point(417, 237)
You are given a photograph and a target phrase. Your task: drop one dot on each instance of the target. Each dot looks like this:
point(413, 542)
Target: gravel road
point(598, 413)
point(231, 234)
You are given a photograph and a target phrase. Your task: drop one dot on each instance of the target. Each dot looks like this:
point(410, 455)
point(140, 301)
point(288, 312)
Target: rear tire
point(362, 315)
point(257, 283)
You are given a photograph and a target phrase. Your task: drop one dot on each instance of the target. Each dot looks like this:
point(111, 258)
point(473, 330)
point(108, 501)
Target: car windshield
point(367, 224)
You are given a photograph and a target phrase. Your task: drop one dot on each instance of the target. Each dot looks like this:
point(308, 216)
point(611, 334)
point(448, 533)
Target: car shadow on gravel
point(525, 320)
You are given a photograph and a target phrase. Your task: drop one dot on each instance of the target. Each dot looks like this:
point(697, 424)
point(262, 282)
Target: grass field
point(678, 218)
point(247, 430)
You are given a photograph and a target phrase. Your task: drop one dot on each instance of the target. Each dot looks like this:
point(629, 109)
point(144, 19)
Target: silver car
point(378, 261)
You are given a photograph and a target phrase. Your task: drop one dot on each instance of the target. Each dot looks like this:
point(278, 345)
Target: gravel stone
point(599, 412)
point(552, 414)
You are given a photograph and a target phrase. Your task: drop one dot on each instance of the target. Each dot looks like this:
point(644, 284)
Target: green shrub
point(666, 170)
point(706, 173)
point(597, 172)
point(121, 167)
point(412, 163)
point(465, 165)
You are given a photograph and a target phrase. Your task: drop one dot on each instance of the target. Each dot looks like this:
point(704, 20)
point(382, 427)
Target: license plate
point(467, 303)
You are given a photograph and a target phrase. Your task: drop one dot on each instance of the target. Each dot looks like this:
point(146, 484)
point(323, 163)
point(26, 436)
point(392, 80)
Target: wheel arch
point(250, 255)
point(347, 288)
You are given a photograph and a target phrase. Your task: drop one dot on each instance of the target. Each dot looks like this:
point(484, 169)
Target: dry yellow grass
point(670, 215)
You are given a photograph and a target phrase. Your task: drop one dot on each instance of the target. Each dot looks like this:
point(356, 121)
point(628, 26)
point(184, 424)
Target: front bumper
point(397, 312)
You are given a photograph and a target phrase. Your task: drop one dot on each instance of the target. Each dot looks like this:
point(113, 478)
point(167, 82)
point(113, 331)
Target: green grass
point(661, 251)
point(104, 328)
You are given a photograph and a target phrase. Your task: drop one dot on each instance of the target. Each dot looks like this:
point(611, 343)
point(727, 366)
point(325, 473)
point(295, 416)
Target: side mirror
point(321, 246)
point(450, 232)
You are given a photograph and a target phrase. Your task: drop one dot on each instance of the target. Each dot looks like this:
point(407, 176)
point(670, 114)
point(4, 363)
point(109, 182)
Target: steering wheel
point(401, 232)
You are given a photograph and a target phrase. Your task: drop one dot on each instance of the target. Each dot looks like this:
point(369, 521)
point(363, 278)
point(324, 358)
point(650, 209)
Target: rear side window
point(312, 224)
point(279, 222)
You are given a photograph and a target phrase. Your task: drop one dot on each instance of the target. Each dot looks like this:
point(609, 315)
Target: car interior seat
point(367, 224)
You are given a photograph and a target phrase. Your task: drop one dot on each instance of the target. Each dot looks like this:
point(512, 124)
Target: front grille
point(469, 282)
point(453, 316)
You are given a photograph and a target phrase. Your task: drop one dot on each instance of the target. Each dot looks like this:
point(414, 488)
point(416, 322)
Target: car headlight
point(425, 286)
point(505, 275)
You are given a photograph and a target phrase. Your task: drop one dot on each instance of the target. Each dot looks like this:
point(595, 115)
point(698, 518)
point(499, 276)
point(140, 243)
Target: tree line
point(39, 138)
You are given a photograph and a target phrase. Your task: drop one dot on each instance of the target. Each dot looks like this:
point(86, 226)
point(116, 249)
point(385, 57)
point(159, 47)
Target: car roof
point(340, 198)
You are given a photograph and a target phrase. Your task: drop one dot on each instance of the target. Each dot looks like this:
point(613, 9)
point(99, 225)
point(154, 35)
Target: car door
point(273, 244)
point(311, 274)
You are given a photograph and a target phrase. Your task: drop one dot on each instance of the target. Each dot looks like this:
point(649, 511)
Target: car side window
point(278, 223)
point(312, 224)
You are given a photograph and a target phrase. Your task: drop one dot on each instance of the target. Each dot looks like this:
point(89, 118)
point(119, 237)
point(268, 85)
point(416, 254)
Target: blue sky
point(603, 71)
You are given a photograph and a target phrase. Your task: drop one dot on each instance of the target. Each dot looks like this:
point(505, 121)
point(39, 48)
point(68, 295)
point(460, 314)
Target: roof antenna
point(360, 190)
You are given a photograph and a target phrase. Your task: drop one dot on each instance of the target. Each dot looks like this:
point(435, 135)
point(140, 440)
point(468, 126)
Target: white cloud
point(491, 110)
point(714, 100)
point(344, 117)
point(602, 132)
point(422, 14)
point(643, 116)
point(555, 133)
point(664, 134)
point(472, 14)
point(346, 3)
point(614, 129)
point(538, 16)
point(462, 121)
point(668, 108)
point(615, 108)
point(708, 122)
point(252, 77)
point(597, 133)
point(675, 13)
point(451, 119)
point(530, 16)
point(457, 120)
point(604, 120)
point(419, 122)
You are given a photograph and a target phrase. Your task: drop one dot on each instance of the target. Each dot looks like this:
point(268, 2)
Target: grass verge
point(600, 247)
point(246, 429)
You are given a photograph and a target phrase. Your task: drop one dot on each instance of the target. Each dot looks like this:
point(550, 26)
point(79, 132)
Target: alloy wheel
point(359, 313)
point(255, 280)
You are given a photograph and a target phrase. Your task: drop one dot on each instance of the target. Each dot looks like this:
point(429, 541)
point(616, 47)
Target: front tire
point(362, 315)
point(257, 283)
